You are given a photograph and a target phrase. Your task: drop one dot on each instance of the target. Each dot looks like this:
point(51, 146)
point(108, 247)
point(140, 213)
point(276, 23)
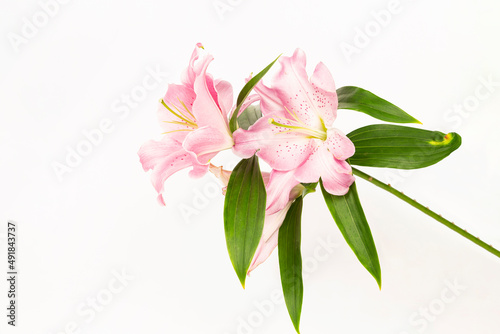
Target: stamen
point(164, 133)
point(177, 123)
point(183, 114)
point(301, 129)
point(190, 122)
point(294, 115)
point(186, 108)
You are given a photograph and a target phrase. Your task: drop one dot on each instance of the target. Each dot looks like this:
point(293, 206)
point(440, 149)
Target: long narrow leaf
point(395, 146)
point(290, 260)
point(244, 213)
point(350, 218)
point(245, 92)
point(359, 99)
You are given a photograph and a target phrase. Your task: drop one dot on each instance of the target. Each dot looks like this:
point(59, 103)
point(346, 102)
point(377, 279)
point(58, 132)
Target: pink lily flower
point(296, 136)
point(194, 116)
point(273, 220)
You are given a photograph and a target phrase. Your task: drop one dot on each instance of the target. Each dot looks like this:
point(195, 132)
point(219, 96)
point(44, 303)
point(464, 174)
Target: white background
point(71, 73)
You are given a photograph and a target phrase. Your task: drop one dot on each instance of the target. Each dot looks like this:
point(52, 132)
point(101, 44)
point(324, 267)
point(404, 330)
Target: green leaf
point(290, 261)
point(309, 188)
point(350, 218)
point(244, 213)
point(249, 116)
point(244, 94)
point(395, 146)
point(355, 98)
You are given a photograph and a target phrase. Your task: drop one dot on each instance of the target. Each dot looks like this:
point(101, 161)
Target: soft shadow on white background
point(99, 255)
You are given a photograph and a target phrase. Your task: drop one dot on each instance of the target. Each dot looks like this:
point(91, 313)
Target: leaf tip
point(242, 281)
point(378, 278)
point(296, 324)
point(242, 276)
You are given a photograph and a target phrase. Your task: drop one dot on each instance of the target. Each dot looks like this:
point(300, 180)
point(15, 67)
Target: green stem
point(426, 210)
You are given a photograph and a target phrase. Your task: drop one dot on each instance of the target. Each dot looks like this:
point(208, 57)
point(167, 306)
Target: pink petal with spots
point(206, 142)
point(339, 144)
point(325, 94)
point(153, 152)
point(281, 149)
point(296, 93)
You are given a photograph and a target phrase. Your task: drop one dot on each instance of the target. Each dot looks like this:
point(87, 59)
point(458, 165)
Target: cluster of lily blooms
point(295, 135)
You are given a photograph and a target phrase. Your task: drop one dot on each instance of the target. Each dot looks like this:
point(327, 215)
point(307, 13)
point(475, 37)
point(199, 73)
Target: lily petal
point(270, 103)
point(269, 239)
point(178, 118)
point(205, 108)
point(206, 142)
point(250, 100)
point(325, 94)
point(188, 76)
point(279, 189)
point(153, 152)
point(198, 171)
point(165, 158)
point(273, 221)
point(336, 174)
point(296, 93)
point(281, 149)
point(225, 96)
point(339, 144)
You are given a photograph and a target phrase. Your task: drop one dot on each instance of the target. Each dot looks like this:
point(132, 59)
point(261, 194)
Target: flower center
point(183, 114)
point(297, 125)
